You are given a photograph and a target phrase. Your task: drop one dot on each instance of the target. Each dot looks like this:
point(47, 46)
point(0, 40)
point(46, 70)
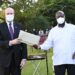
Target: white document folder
point(28, 38)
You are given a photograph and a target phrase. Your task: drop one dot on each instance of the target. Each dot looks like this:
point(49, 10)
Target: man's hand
point(73, 56)
point(23, 61)
point(36, 46)
point(41, 41)
point(14, 42)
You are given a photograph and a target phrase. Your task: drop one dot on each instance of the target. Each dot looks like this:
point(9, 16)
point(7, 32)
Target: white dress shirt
point(62, 40)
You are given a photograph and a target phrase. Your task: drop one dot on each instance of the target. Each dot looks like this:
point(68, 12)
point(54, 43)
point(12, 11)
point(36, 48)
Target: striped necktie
point(11, 30)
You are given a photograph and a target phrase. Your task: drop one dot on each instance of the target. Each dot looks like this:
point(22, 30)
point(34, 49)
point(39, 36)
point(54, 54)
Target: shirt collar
point(8, 23)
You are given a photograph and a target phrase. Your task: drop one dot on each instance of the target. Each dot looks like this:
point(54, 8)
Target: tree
point(29, 13)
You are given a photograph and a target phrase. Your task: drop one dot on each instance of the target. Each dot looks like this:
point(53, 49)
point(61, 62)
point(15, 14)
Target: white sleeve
point(48, 43)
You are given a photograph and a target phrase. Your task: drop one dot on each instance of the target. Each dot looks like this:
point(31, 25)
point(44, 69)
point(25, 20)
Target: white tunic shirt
point(62, 40)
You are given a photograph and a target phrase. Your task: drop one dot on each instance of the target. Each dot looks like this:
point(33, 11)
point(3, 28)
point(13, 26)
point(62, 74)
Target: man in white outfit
point(62, 39)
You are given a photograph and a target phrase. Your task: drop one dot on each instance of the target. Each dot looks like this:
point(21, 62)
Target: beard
point(61, 25)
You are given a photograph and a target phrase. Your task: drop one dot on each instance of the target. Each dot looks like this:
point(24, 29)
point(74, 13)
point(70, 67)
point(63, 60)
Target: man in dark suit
point(13, 53)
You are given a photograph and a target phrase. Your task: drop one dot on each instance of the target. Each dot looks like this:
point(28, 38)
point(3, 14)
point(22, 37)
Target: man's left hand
point(23, 61)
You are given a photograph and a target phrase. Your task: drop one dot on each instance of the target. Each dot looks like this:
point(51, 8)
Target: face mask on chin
point(9, 18)
point(61, 22)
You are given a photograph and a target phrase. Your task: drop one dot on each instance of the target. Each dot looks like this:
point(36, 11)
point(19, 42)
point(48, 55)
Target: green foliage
point(29, 15)
point(42, 13)
point(39, 22)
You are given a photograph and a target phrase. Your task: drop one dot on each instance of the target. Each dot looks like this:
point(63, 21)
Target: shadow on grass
point(28, 69)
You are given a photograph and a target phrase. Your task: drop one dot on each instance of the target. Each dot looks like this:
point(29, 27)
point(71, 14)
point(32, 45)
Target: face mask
point(9, 18)
point(60, 20)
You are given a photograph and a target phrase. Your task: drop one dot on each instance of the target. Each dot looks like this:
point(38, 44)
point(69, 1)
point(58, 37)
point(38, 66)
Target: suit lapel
point(16, 30)
point(7, 33)
point(6, 30)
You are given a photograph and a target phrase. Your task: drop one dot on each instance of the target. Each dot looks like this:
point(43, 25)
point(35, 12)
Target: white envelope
point(28, 38)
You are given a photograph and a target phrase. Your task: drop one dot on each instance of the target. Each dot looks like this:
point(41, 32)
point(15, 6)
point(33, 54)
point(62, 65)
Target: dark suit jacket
point(6, 52)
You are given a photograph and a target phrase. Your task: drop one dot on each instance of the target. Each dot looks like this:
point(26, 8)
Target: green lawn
point(28, 69)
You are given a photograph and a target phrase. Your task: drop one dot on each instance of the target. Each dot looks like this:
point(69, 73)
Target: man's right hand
point(14, 42)
point(36, 46)
point(41, 41)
